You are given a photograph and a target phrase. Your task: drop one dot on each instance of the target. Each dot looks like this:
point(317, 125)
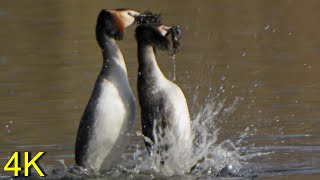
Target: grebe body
point(164, 110)
point(108, 118)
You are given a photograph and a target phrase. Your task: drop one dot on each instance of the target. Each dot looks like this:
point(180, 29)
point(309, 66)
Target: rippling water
point(249, 70)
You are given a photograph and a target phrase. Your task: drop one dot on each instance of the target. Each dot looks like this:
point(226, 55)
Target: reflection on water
point(258, 59)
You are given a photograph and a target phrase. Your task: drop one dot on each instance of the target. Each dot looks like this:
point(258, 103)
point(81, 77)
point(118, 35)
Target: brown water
point(263, 52)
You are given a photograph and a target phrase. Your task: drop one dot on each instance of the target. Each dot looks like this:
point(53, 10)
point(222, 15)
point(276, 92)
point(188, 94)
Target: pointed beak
point(165, 30)
point(134, 14)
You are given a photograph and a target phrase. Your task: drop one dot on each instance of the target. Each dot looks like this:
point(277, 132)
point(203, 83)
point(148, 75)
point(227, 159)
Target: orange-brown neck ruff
point(118, 21)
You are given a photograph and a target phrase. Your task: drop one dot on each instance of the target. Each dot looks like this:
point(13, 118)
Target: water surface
point(254, 63)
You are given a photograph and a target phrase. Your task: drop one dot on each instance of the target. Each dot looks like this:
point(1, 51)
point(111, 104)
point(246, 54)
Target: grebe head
point(153, 35)
point(114, 22)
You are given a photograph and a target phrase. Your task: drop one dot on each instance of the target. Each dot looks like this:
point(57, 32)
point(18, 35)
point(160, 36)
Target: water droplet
point(138, 133)
point(267, 27)
point(174, 67)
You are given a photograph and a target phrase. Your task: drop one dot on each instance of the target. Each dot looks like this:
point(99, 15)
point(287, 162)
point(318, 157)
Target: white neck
point(148, 66)
point(112, 55)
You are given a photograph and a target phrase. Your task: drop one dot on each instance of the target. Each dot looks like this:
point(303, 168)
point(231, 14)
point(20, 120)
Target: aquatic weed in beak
point(176, 35)
point(148, 18)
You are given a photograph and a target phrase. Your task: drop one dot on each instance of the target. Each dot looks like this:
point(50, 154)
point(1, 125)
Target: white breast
point(181, 119)
point(109, 118)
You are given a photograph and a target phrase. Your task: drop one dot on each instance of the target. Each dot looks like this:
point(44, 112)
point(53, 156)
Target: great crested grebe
point(109, 116)
point(164, 110)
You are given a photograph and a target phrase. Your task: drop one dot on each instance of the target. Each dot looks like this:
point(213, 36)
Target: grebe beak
point(134, 14)
point(125, 18)
point(165, 30)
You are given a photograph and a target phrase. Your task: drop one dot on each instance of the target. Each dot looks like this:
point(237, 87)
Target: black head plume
point(150, 35)
point(107, 24)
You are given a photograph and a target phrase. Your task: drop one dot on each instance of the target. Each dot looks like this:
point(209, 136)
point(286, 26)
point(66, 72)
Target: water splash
point(208, 157)
point(213, 156)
